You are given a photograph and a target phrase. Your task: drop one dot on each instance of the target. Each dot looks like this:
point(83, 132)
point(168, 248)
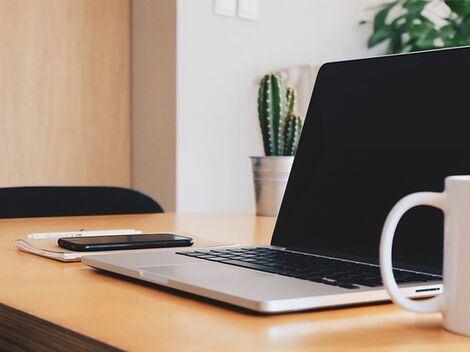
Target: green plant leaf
point(448, 32)
point(465, 29)
point(412, 31)
point(414, 6)
point(427, 39)
point(381, 16)
point(399, 22)
point(407, 48)
point(421, 30)
point(379, 36)
point(395, 44)
point(460, 7)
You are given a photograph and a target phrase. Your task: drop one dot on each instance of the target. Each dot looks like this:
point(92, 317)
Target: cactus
point(292, 131)
point(272, 112)
point(290, 100)
point(280, 125)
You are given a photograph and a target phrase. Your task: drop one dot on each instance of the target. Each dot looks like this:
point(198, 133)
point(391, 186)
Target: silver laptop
point(376, 130)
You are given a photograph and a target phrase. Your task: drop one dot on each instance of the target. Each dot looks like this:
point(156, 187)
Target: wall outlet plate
point(248, 9)
point(225, 7)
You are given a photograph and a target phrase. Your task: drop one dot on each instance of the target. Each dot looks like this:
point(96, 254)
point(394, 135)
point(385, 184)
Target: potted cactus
point(280, 127)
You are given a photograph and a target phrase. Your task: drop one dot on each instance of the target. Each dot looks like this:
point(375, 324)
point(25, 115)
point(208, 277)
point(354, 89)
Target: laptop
point(376, 130)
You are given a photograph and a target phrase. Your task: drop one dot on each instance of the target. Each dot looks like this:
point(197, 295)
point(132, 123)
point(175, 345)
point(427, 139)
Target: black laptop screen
point(376, 130)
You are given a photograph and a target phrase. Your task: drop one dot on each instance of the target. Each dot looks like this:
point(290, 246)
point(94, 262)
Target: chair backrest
point(22, 202)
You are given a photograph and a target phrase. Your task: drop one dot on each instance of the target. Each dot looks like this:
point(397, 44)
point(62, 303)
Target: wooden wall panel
point(154, 99)
point(64, 92)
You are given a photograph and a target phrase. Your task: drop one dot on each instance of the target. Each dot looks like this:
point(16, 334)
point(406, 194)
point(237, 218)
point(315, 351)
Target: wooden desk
point(135, 316)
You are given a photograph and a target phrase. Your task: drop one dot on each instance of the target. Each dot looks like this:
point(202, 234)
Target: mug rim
point(464, 178)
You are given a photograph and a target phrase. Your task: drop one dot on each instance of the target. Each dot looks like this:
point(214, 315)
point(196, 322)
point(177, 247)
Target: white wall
point(218, 61)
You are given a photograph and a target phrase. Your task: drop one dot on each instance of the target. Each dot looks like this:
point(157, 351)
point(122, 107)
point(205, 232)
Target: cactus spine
point(280, 125)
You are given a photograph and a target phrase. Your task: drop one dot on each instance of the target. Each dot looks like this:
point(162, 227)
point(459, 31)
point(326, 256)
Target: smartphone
point(118, 242)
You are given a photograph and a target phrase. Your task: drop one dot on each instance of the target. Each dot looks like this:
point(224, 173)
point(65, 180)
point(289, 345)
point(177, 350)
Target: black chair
point(25, 202)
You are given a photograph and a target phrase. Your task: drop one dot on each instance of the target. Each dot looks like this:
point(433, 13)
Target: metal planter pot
point(270, 175)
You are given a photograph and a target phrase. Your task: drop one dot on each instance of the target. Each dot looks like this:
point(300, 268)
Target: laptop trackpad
point(234, 281)
point(200, 272)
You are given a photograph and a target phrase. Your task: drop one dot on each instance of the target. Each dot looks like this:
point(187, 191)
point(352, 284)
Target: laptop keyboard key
point(250, 266)
point(316, 279)
point(347, 285)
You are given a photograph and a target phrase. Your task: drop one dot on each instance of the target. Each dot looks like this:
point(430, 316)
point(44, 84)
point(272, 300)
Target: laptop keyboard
point(328, 271)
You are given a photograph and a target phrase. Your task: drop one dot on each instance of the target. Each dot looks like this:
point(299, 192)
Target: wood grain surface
point(137, 316)
point(30, 333)
point(64, 92)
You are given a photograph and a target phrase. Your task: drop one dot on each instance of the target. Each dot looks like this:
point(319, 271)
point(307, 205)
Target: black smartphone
point(118, 242)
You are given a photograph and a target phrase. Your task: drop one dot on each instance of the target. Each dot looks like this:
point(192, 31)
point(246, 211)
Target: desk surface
point(139, 317)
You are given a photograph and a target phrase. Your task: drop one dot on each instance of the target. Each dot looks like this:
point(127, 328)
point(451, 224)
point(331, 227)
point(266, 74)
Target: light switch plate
point(248, 9)
point(226, 7)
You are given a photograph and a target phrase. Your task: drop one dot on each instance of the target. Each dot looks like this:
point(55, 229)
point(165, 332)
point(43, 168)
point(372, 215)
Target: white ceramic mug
point(454, 303)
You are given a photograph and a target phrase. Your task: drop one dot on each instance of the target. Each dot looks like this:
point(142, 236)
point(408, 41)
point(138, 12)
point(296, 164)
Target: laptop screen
point(376, 130)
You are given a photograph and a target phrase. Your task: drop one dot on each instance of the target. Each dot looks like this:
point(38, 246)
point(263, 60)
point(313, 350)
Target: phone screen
point(101, 243)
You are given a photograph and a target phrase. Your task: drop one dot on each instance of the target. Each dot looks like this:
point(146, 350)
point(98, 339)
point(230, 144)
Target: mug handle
point(437, 200)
